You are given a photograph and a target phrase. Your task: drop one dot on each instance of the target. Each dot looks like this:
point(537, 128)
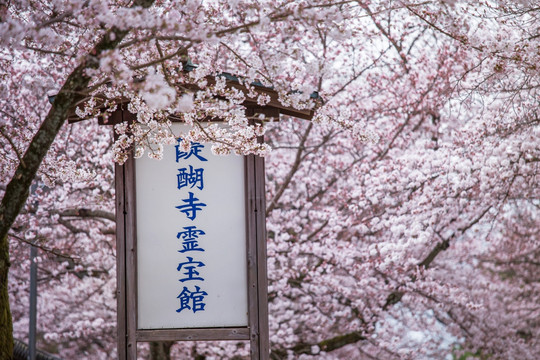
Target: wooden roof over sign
point(273, 108)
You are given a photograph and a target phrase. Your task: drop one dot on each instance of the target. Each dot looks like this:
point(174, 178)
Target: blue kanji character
point(194, 150)
point(191, 207)
point(190, 239)
point(195, 298)
point(190, 266)
point(193, 177)
point(185, 297)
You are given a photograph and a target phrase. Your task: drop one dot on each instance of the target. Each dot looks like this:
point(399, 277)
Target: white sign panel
point(191, 239)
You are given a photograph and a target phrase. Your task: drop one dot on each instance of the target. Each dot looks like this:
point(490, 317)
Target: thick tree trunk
point(17, 190)
point(160, 350)
point(6, 328)
point(17, 193)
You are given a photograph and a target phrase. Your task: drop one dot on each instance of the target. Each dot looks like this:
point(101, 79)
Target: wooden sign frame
point(126, 247)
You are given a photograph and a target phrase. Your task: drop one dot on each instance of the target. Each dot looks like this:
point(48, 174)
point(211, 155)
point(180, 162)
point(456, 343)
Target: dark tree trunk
point(6, 328)
point(160, 350)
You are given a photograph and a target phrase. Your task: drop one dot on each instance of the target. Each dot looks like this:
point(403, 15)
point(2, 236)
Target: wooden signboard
point(191, 243)
point(191, 252)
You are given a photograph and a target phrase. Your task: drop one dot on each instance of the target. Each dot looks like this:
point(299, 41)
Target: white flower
point(185, 103)
point(157, 93)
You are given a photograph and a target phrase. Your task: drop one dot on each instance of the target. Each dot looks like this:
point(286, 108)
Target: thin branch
point(165, 72)
point(331, 344)
point(45, 51)
point(461, 40)
point(386, 34)
point(181, 51)
point(397, 295)
point(294, 169)
point(12, 145)
point(242, 59)
point(152, 37)
point(41, 247)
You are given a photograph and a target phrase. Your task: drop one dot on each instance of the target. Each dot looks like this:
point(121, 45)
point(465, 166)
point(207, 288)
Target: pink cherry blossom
point(402, 219)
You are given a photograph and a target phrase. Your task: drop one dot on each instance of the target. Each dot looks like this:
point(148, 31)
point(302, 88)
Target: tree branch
point(87, 213)
point(41, 247)
point(12, 145)
point(397, 295)
point(294, 169)
point(327, 345)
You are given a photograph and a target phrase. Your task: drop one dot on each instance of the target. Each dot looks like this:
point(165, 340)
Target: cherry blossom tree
point(402, 221)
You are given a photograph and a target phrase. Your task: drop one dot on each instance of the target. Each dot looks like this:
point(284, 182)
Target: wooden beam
point(273, 107)
point(196, 334)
